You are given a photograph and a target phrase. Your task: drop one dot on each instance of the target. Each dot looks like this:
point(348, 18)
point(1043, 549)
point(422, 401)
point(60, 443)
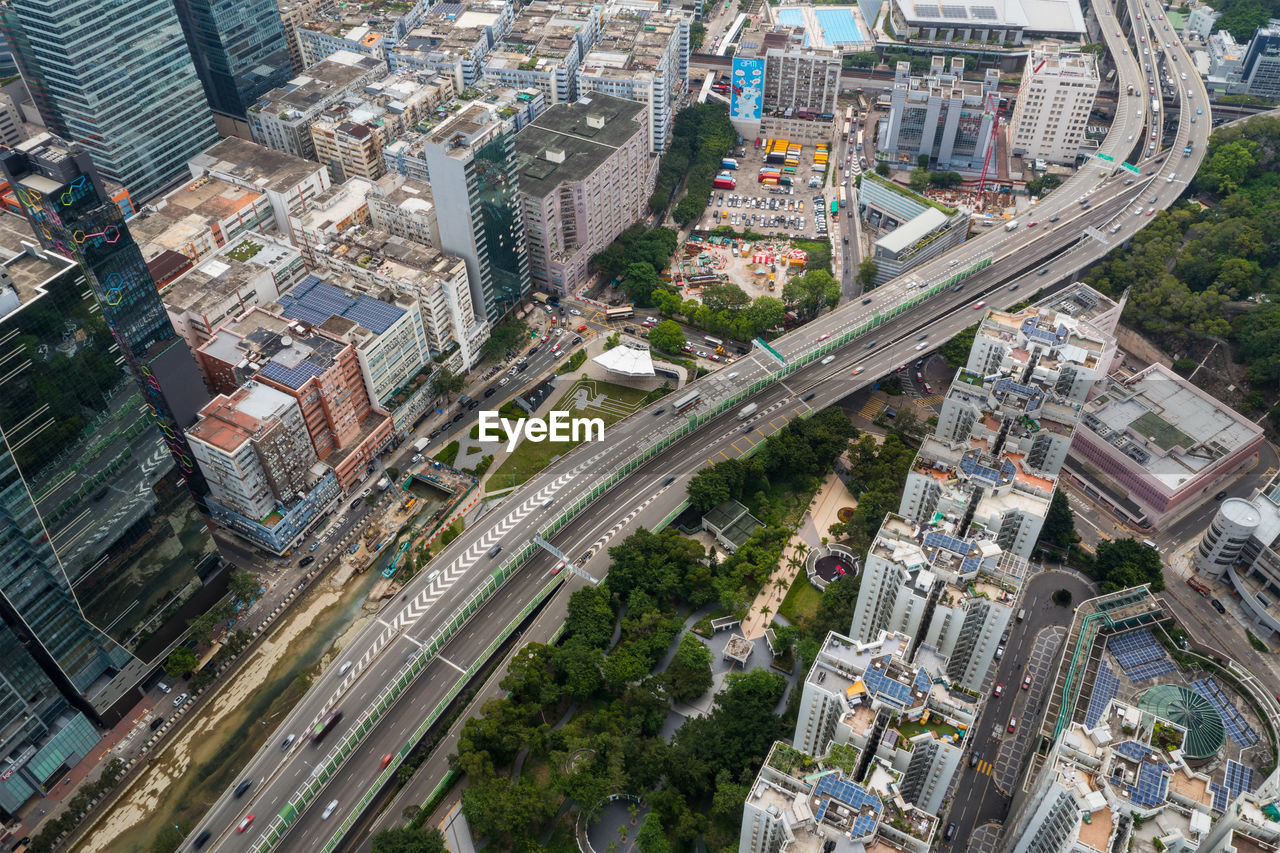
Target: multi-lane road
point(378, 655)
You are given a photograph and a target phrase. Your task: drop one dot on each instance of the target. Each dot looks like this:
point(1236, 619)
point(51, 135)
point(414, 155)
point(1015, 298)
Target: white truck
point(1010, 226)
point(384, 484)
point(421, 444)
point(747, 411)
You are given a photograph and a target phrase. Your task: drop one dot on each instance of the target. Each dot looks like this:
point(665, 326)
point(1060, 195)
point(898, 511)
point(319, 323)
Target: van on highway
point(671, 479)
point(329, 810)
point(495, 551)
point(201, 839)
point(243, 786)
point(1022, 614)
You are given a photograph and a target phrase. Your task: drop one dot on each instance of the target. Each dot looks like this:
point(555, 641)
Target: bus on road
point(835, 210)
point(325, 726)
point(687, 402)
point(840, 195)
point(859, 139)
point(619, 312)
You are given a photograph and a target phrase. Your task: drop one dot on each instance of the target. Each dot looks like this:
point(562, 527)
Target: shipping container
point(729, 163)
point(724, 183)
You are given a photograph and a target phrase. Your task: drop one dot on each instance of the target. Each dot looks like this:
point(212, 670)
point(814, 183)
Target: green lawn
point(910, 730)
point(529, 458)
point(802, 600)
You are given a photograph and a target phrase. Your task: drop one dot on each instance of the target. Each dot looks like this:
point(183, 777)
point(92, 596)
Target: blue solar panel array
point(1232, 720)
point(1152, 783)
point(312, 301)
point(1239, 778)
point(922, 682)
point(295, 376)
point(1031, 330)
point(886, 688)
point(1105, 686)
point(1220, 797)
point(950, 543)
point(835, 787)
point(1133, 750)
point(1140, 655)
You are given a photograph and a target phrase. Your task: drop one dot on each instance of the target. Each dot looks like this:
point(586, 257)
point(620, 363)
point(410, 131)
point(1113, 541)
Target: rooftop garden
point(940, 729)
point(789, 760)
point(246, 250)
point(844, 756)
point(949, 211)
point(915, 823)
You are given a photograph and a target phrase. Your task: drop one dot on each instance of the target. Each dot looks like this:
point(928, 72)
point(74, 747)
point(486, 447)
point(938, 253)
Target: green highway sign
point(1106, 157)
point(1131, 168)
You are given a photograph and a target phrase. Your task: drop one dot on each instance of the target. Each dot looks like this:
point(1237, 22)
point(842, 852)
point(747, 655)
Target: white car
point(701, 354)
point(575, 312)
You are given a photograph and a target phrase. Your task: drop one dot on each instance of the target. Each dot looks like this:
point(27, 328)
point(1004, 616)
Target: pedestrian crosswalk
point(871, 409)
point(931, 400)
point(984, 767)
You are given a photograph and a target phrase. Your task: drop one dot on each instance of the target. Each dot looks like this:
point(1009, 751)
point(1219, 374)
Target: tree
point(919, 180)
point(1059, 528)
point(204, 626)
point(808, 294)
point(1062, 597)
point(180, 660)
point(1124, 563)
point(945, 180)
point(667, 336)
point(956, 350)
point(445, 383)
point(639, 282)
point(504, 337)
point(650, 838)
point(882, 169)
point(613, 340)
point(590, 616)
point(867, 271)
point(922, 161)
point(405, 839)
point(697, 33)
point(688, 676)
point(243, 586)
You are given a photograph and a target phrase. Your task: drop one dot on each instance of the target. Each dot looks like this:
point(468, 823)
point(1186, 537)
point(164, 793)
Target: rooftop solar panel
point(984, 13)
point(1220, 797)
point(1238, 729)
point(1105, 685)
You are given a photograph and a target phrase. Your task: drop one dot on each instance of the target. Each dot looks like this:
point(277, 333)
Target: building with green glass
point(238, 48)
point(116, 79)
point(105, 554)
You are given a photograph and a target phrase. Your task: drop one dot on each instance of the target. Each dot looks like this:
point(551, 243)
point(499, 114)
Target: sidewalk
point(822, 513)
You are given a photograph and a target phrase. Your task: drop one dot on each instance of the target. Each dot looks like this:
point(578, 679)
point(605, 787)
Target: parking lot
point(772, 210)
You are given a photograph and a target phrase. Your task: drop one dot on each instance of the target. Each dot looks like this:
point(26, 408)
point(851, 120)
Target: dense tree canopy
point(1123, 563)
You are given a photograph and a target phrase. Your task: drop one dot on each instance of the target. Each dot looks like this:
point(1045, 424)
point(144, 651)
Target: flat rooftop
point(282, 352)
point(227, 422)
point(571, 141)
point(28, 266)
point(207, 286)
point(311, 89)
point(1166, 425)
point(247, 162)
point(313, 301)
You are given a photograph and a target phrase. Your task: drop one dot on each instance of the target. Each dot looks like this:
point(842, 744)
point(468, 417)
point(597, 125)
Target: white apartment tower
point(1055, 98)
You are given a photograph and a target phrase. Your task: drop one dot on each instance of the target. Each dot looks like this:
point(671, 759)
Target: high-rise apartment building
point(642, 58)
point(238, 48)
point(947, 569)
point(544, 48)
point(320, 370)
point(1261, 72)
point(585, 177)
point(11, 131)
point(282, 118)
point(140, 114)
point(256, 454)
point(472, 161)
point(107, 554)
point(1055, 98)
point(942, 116)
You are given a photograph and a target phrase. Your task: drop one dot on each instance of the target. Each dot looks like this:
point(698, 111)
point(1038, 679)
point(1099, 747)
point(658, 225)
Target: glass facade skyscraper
point(104, 553)
point(471, 158)
point(238, 48)
point(117, 79)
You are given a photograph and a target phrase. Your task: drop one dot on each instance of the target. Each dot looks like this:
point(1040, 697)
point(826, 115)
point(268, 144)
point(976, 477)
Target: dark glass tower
point(104, 552)
point(116, 78)
point(239, 50)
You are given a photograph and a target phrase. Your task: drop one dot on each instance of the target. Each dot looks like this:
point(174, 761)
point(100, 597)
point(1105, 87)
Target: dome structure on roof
point(1183, 706)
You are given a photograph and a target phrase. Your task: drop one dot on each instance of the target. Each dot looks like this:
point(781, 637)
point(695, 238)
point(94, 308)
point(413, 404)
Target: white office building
point(1058, 88)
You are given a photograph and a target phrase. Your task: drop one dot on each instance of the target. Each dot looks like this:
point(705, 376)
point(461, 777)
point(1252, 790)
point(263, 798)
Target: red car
point(557, 569)
point(244, 824)
point(999, 691)
point(1033, 223)
point(386, 759)
point(686, 348)
point(1026, 683)
point(1013, 723)
point(823, 337)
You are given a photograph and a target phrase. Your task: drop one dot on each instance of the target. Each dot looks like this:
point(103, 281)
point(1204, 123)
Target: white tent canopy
point(626, 360)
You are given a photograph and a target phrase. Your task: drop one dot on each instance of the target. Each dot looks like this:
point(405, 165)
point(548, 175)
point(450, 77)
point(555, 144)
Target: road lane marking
point(451, 663)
